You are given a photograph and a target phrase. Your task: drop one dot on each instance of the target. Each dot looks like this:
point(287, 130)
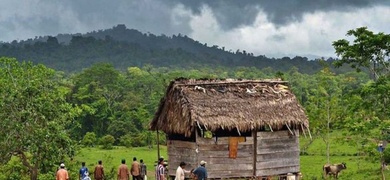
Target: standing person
point(135, 169)
point(98, 174)
point(201, 172)
point(180, 171)
point(83, 171)
point(123, 171)
point(143, 171)
point(160, 169)
point(62, 173)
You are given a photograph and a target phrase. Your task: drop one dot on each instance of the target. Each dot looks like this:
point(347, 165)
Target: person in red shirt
point(123, 171)
point(135, 169)
point(99, 171)
point(62, 173)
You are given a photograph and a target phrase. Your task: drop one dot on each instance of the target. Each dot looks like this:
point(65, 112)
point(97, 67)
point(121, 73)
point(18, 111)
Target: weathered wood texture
point(277, 153)
point(179, 151)
point(216, 153)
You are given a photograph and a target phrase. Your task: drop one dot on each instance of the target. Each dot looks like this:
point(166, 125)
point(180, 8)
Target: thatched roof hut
point(235, 106)
point(244, 105)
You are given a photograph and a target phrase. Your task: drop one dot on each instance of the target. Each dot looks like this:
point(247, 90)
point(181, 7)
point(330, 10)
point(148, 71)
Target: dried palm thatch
point(244, 105)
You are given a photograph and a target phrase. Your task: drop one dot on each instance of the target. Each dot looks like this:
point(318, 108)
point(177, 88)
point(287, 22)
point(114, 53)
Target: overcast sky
point(265, 27)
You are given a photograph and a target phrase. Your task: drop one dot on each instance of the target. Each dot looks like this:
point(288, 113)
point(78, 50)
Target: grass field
point(358, 167)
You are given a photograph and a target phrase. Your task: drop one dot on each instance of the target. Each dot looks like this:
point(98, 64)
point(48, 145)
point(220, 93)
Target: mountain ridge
point(125, 47)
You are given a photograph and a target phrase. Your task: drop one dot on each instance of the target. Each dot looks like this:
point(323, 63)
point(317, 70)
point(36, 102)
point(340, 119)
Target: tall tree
point(34, 114)
point(324, 105)
point(368, 50)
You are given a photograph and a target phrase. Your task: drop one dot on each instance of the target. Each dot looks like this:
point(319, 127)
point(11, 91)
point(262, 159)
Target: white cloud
point(313, 35)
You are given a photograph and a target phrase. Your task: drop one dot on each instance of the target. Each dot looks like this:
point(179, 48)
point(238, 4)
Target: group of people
point(200, 173)
point(138, 170)
point(62, 173)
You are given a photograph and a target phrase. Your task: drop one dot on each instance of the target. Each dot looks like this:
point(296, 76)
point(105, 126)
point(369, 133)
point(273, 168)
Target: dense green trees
point(368, 106)
point(114, 107)
point(370, 100)
point(34, 114)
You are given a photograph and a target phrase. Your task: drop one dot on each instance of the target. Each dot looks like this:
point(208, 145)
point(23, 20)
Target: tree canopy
point(369, 50)
point(34, 115)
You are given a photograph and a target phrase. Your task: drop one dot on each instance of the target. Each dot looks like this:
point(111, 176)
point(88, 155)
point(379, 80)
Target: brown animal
point(333, 169)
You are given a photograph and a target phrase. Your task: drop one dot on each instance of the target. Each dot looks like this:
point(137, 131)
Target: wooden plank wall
point(219, 165)
point(179, 151)
point(277, 153)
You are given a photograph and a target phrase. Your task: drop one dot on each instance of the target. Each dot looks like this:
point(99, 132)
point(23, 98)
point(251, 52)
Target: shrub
point(126, 140)
point(138, 141)
point(14, 169)
point(107, 141)
point(386, 155)
point(89, 139)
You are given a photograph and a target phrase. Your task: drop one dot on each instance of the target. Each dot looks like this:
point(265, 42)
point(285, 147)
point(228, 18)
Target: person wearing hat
point(201, 172)
point(180, 171)
point(62, 173)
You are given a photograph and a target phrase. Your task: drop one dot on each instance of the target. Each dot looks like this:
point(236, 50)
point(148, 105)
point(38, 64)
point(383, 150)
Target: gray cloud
point(233, 13)
point(28, 18)
point(24, 19)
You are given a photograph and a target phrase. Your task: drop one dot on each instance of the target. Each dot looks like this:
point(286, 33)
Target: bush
point(107, 141)
point(386, 155)
point(89, 139)
point(138, 141)
point(126, 140)
point(14, 169)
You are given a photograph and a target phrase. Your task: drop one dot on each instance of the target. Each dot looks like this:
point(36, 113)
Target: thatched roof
point(243, 105)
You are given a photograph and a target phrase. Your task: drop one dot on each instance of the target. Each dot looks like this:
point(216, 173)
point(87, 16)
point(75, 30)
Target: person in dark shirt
point(201, 172)
point(143, 171)
point(83, 171)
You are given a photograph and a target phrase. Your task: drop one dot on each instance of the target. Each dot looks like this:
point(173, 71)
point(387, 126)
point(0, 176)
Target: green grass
point(358, 167)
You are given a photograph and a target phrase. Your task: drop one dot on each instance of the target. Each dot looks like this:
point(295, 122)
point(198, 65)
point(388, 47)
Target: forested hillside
point(124, 47)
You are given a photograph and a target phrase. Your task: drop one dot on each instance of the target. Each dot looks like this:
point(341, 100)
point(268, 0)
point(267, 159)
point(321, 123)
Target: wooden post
point(254, 134)
point(158, 145)
point(196, 145)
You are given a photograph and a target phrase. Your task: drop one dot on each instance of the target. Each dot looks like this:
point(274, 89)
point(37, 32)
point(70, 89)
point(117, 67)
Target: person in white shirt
point(180, 171)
